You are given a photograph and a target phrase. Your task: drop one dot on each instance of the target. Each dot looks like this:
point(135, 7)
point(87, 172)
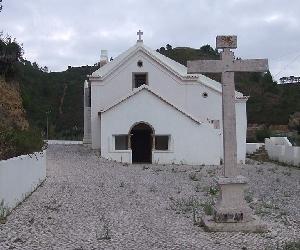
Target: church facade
point(143, 107)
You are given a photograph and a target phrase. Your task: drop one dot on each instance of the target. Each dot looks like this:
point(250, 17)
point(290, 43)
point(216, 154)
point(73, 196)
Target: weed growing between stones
point(259, 171)
point(145, 167)
point(153, 189)
point(193, 177)
point(290, 245)
point(248, 196)
point(207, 208)
point(105, 233)
point(211, 172)
point(287, 173)
point(3, 212)
point(213, 190)
point(184, 205)
point(198, 188)
point(178, 189)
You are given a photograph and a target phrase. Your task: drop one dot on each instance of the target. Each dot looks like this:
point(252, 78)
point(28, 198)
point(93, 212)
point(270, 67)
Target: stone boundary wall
point(252, 147)
point(62, 142)
point(19, 177)
point(280, 149)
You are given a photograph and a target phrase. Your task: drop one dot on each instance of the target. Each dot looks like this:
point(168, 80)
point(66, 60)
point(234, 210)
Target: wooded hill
point(61, 94)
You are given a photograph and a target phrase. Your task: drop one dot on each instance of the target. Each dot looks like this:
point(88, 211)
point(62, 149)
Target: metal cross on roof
point(140, 33)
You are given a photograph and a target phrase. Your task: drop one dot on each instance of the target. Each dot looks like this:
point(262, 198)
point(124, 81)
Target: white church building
point(144, 107)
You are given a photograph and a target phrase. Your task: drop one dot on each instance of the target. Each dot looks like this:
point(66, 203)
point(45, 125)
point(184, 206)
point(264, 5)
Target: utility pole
point(47, 114)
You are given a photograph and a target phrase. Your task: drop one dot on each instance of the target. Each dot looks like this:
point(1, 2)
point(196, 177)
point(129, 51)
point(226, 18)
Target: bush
point(15, 142)
point(262, 134)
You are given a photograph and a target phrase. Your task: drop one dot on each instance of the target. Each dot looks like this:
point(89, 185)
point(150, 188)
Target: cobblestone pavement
point(90, 203)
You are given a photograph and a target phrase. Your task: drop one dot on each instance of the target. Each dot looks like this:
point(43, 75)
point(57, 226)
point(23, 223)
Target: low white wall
point(280, 141)
point(19, 176)
point(63, 142)
point(252, 147)
point(280, 149)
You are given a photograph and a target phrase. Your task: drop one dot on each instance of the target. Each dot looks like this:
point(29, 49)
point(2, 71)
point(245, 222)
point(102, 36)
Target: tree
point(45, 69)
point(169, 47)
point(162, 50)
point(35, 65)
point(11, 52)
point(207, 49)
point(294, 122)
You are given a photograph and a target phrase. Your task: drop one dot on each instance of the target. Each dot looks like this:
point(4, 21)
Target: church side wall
point(191, 143)
point(95, 120)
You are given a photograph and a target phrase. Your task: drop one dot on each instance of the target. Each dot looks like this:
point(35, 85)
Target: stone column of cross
point(231, 212)
point(227, 66)
point(140, 33)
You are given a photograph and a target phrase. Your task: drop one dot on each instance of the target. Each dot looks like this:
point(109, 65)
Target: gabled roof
point(148, 89)
point(173, 66)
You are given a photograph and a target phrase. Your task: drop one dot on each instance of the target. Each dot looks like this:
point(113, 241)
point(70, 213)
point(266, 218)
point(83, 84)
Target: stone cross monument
point(231, 212)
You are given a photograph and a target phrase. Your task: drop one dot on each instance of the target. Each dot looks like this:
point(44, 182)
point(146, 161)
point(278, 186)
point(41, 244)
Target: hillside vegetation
point(16, 136)
point(60, 94)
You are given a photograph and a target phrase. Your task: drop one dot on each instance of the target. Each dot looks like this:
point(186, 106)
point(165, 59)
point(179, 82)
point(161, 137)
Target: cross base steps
point(252, 226)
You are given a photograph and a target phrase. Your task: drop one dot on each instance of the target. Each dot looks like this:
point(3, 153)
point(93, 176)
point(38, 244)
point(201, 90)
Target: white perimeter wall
point(63, 142)
point(186, 95)
point(252, 147)
point(19, 176)
point(191, 143)
point(280, 149)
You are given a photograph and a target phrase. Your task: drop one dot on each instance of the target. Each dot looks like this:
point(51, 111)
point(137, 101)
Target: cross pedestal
point(231, 211)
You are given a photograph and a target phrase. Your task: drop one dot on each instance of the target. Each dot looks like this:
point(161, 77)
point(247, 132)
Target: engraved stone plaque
point(226, 42)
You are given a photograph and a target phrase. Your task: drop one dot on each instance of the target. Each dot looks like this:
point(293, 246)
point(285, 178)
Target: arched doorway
point(141, 143)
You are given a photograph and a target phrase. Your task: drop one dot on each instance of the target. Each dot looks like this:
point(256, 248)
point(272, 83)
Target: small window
point(205, 95)
point(162, 142)
point(121, 142)
point(140, 63)
point(139, 79)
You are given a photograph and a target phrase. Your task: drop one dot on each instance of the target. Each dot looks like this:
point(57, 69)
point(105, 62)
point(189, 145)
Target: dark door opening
point(141, 143)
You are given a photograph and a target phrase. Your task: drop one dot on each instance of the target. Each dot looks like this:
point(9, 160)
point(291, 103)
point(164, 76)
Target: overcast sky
point(59, 33)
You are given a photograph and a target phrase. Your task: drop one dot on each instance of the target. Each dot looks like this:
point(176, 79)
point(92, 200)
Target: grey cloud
point(61, 33)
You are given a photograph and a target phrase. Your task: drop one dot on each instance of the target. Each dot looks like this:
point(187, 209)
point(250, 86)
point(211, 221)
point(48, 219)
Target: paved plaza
point(87, 202)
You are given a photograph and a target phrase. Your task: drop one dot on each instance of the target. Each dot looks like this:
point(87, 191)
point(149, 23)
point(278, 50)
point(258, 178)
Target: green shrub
point(15, 142)
point(293, 245)
point(262, 134)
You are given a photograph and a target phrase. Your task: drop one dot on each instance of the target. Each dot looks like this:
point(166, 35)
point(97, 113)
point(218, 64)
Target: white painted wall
point(19, 176)
point(192, 143)
point(280, 149)
point(186, 95)
point(252, 147)
point(64, 142)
